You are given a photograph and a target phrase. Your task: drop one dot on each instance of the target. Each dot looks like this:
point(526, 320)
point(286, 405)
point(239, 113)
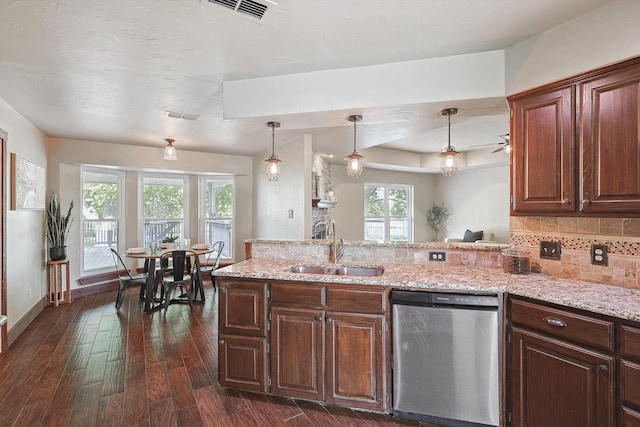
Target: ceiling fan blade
point(499, 149)
point(484, 145)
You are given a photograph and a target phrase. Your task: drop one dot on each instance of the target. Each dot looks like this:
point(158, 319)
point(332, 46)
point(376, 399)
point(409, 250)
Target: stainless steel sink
point(338, 270)
point(345, 270)
point(312, 269)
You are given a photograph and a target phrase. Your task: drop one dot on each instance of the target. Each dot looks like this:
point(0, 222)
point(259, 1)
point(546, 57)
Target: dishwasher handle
point(432, 299)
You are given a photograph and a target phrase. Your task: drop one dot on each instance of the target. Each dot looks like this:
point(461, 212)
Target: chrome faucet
point(337, 253)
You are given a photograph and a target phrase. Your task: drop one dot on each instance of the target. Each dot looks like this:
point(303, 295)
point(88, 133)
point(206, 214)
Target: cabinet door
point(554, 383)
point(542, 138)
point(355, 355)
point(242, 363)
point(242, 308)
point(297, 352)
point(610, 142)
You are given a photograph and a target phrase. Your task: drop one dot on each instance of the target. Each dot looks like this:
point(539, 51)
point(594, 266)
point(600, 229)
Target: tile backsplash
point(576, 235)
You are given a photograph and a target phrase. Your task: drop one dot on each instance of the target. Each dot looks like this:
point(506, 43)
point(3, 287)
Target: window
point(101, 195)
point(216, 217)
point(388, 213)
point(163, 208)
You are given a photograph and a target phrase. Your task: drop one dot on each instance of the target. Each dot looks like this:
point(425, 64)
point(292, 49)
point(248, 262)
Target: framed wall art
point(27, 184)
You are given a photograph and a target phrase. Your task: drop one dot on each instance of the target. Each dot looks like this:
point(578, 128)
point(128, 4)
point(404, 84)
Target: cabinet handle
point(554, 321)
point(604, 368)
point(566, 202)
point(585, 202)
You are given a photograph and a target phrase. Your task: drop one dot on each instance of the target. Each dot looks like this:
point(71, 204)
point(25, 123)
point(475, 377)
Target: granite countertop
point(603, 299)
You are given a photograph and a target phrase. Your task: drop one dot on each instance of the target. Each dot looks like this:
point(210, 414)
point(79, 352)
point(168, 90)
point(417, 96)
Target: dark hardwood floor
point(86, 364)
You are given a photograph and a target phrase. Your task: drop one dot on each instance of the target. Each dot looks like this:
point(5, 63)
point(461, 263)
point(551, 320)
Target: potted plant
point(169, 241)
point(437, 216)
point(57, 228)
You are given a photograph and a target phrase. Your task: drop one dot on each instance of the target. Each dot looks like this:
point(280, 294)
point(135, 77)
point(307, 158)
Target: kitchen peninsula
point(260, 295)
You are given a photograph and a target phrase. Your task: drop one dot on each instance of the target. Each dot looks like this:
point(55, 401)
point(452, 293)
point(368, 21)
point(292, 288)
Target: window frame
point(120, 224)
point(202, 213)
point(387, 218)
point(185, 202)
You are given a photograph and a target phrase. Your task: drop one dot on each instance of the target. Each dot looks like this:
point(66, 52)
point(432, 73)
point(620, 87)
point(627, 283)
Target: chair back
point(213, 257)
point(180, 260)
point(120, 265)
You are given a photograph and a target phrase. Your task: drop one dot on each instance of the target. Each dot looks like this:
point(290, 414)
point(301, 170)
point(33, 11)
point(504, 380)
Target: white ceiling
point(109, 70)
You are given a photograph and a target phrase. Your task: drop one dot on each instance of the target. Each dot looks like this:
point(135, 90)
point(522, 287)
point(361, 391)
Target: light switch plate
point(550, 250)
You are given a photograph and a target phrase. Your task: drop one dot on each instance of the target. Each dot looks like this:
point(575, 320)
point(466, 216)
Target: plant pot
point(58, 253)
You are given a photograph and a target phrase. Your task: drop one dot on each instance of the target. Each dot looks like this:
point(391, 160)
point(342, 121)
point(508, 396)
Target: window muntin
point(163, 208)
point(216, 217)
point(388, 213)
point(101, 196)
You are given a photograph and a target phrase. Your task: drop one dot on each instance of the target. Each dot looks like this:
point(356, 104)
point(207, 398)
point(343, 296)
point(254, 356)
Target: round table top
point(148, 255)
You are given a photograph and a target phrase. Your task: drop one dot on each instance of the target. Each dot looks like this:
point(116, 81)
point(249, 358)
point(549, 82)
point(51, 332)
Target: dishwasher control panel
point(442, 298)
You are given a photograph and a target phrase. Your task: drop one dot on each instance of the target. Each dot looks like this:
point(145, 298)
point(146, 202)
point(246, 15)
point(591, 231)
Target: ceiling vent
point(254, 10)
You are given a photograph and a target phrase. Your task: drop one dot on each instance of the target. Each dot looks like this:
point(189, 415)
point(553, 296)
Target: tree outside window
point(163, 208)
point(388, 213)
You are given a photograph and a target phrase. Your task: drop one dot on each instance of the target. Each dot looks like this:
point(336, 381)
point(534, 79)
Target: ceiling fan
point(504, 144)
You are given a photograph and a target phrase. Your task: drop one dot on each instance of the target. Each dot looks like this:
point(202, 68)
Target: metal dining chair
point(126, 279)
point(180, 275)
point(211, 263)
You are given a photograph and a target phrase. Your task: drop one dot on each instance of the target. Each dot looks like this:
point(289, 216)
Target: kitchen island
point(327, 337)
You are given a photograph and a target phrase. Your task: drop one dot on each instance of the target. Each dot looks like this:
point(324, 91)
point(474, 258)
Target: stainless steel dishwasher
point(446, 358)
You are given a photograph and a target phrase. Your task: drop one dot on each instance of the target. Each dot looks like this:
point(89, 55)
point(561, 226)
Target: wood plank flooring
point(86, 364)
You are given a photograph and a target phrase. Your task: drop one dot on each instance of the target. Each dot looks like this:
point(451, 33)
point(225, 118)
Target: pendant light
point(354, 160)
point(449, 154)
point(170, 150)
point(273, 162)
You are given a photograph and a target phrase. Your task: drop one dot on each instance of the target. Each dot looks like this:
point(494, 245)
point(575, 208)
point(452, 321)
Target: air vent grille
point(249, 8)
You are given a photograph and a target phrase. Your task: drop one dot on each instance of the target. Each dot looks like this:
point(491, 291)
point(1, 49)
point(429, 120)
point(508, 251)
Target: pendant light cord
point(273, 139)
point(354, 135)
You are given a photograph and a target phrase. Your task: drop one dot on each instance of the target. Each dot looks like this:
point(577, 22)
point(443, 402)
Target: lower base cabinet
point(242, 363)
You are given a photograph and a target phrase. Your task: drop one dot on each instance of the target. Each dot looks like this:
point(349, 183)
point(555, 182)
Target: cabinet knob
point(329, 320)
point(566, 202)
point(554, 321)
point(585, 202)
point(604, 368)
point(319, 319)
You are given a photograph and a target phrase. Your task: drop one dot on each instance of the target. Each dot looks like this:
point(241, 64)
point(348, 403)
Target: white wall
point(607, 35)
point(349, 212)
point(292, 191)
point(477, 199)
point(25, 257)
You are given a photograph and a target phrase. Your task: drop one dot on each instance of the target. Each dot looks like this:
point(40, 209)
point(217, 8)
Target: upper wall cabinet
point(576, 145)
point(610, 142)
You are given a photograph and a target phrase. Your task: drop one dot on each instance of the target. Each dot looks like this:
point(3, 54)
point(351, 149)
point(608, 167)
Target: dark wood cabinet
point(297, 354)
point(576, 145)
point(560, 374)
point(354, 360)
point(242, 340)
point(610, 142)
point(543, 141)
point(328, 344)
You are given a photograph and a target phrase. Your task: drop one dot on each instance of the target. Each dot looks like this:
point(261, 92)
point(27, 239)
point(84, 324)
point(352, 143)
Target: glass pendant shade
point(354, 160)
point(273, 162)
point(170, 150)
point(449, 155)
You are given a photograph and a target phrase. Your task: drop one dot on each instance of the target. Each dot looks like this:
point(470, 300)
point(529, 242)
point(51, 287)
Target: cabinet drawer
point(298, 295)
point(357, 300)
point(630, 341)
point(563, 324)
point(630, 382)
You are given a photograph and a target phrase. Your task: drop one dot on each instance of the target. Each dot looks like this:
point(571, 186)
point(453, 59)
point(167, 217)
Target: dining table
point(151, 257)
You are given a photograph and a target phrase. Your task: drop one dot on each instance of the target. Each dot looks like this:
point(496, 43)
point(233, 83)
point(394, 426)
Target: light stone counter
point(604, 299)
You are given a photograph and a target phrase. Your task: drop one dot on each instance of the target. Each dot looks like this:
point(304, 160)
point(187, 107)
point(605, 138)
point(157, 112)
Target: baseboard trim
point(97, 289)
point(21, 325)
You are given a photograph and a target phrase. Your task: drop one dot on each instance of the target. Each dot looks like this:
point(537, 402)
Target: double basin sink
point(338, 270)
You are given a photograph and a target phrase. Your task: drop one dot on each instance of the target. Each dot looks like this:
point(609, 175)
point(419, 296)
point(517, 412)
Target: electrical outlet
point(437, 256)
point(599, 254)
point(550, 250)
point(290, 213)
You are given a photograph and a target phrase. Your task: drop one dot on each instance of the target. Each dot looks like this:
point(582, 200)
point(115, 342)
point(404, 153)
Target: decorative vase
point(58, 253)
